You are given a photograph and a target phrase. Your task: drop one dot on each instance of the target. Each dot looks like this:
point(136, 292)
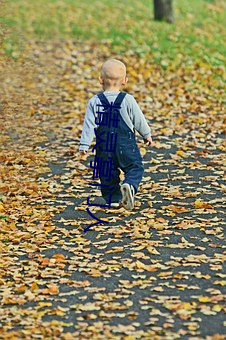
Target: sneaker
point(128, 194)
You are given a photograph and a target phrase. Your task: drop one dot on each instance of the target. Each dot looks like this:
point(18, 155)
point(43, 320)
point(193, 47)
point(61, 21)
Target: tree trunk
point(163, 10)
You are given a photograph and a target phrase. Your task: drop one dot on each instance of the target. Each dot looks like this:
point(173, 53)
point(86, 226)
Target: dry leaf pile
point(153, 273)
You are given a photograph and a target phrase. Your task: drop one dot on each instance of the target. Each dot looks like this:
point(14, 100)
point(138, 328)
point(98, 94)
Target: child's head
point(113, 74)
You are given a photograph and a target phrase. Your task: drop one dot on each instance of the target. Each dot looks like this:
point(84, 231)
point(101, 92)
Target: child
point(120, 151)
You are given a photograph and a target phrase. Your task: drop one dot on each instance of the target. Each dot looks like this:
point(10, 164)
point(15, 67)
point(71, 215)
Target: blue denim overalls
point(126, 155)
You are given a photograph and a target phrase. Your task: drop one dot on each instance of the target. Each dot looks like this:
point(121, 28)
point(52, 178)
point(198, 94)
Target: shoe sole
point(127, 196)
point(115, 205)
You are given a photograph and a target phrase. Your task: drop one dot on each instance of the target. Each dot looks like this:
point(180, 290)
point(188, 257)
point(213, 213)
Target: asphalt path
point(156, 272)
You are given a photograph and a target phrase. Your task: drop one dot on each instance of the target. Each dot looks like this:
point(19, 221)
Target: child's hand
point(148, 141)
point(83, 152)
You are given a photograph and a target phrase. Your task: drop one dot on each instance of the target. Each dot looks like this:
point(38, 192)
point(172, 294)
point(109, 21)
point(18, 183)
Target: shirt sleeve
point(89, 124)
point(138, 120)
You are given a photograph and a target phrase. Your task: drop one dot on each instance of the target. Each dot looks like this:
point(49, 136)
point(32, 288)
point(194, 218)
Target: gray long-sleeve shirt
point(130, 112)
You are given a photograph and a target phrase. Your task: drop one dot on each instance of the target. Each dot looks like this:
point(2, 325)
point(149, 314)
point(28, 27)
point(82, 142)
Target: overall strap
point(103, 99)
point(118, 100)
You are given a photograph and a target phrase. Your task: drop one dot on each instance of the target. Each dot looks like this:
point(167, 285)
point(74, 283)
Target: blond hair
point(113, 71)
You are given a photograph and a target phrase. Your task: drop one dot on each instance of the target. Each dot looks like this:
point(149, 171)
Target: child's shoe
point(128, 194)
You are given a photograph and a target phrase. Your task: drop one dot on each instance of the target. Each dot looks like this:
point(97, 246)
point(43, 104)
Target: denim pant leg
point(130, 161)
point(110, 188)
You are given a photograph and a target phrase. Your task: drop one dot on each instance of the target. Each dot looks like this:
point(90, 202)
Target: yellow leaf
point(140, 265)
point(204, 299)
point(217, 308)
point(38, 315)
point(158, 289)
point(55, 322)
point(1, 208)
point(222, 282)
point(155, 161)
point(67, 324)
point(67, 336)
point(187, 305)
point(193, 326)
point(34, 286)
point(44, 304)
point(116, 250)
point(143, 151)
point(181, 154)
point(153, 251)
point(12, 225)
point(160, 227)
point(199, 204)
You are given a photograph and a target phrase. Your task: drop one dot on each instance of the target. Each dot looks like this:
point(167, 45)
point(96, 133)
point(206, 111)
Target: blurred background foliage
point(197, 34)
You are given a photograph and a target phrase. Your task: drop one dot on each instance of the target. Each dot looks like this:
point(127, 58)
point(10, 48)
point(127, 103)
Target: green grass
point(198, 30)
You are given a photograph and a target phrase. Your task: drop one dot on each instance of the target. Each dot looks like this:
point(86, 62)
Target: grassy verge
point(197, 33)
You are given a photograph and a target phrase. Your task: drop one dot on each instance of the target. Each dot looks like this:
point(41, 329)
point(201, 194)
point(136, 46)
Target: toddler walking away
point(115, 126)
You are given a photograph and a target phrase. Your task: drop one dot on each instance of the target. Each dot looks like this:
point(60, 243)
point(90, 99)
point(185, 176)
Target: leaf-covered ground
point(153, 273)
